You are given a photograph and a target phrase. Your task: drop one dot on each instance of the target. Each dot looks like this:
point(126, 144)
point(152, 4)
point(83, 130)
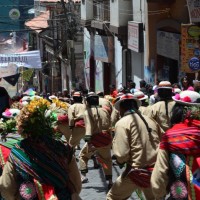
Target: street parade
point(100, 100)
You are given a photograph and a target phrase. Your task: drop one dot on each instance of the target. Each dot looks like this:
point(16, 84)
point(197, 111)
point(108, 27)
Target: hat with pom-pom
point(11, 113)
point(188, 98)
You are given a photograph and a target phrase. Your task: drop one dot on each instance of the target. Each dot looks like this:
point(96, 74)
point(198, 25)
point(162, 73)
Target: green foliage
point(7, 126)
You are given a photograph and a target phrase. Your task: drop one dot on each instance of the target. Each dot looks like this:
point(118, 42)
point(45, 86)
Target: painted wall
point(118, 62)
point(6, 22)
point(99, 76)
point(87, 54)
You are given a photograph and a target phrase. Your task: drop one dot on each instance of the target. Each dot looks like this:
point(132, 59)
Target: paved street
point(95, 189)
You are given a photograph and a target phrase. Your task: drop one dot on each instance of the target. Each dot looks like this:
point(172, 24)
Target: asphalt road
point(96, 188)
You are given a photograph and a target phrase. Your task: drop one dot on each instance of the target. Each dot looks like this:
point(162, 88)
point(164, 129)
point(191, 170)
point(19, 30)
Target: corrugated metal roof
point(39, 22)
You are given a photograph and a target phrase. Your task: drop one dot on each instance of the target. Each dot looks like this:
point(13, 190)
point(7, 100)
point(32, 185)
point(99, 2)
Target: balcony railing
point(102, 10)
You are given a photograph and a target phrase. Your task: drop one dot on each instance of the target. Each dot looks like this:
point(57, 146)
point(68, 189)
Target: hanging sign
point(10, 62)
point(135, 36)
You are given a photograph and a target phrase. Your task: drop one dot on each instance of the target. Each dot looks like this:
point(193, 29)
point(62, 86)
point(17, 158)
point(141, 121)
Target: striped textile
point(41, 162)
point(80, 123)
point(101, 139)
point(182, 138)
point(141, 177)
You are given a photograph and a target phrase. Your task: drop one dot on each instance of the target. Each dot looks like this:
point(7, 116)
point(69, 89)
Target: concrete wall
point(87, 10)
point(137, 59)
point(120, 12)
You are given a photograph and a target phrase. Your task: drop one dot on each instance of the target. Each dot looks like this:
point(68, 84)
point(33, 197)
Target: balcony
point(101, 16)
point(102, 10)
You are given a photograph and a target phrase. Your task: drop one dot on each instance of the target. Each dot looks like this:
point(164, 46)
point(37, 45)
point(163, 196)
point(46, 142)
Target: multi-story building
point(60, 44)
point(134, 39)
point(105, 40)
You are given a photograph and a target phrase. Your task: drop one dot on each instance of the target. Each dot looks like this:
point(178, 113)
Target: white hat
point(140, 95)
point(26, 98)
point(188, 98)
point(76, 94)
point(53, 97)
point(165, 85)
point(11, 113)
point(127, 97)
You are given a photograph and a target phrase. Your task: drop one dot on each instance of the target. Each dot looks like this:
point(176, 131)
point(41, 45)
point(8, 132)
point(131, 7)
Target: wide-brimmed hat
point(11, 113)
point(127, 97)
point(140, 95)
point(35, 97)
point(164, 85)
point(26, 98)
point(53, 97)
point(188, 98)
point(77, 94)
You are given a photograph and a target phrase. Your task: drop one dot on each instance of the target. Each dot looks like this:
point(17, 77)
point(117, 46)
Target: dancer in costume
point(177, 169)
point(34, 169)
point(162, 110)
point(135, 146)
point(76, 121)
point(98, 138)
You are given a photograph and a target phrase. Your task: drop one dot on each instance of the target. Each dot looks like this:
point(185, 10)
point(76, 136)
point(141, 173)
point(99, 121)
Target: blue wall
point(8, 24)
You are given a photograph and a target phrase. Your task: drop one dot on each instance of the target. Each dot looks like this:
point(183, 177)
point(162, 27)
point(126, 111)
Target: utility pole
point(70, 41)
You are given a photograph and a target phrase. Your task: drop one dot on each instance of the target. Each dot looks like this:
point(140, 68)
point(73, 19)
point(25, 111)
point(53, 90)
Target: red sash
point(101, 139)
point(80, 123)
point(63, 119)
point(141, 177)
point(4, 154)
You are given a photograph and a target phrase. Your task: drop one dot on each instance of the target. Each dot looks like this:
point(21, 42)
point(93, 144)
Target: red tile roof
point(38, 23)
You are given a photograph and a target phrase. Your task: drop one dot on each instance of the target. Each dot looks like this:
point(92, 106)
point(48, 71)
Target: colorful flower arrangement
point(59, 106)
point(36, 119)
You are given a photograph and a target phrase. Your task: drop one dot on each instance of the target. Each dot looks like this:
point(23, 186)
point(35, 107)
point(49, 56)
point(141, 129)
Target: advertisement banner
point(190, 49)
point(10, 62)
point(194, 10)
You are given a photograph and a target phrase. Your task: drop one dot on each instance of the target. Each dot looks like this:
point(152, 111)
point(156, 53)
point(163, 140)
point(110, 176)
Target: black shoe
point(109, 187)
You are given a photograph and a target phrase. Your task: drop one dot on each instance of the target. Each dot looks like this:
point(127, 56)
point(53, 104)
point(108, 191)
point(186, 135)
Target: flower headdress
point(36, 119)
point(59, 106)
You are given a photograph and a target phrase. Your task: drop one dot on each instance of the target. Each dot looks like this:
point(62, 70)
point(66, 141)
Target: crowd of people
point(152, 133)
